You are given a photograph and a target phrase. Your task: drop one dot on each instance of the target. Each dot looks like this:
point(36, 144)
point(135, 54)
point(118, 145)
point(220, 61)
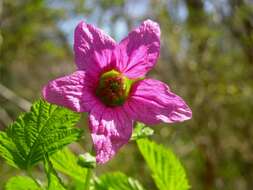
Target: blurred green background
point(206, 57)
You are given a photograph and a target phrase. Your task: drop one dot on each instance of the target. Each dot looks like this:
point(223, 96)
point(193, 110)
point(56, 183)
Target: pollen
point(113, 88)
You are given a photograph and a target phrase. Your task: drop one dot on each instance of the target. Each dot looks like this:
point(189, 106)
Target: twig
point(13, 97)
point(4, 117)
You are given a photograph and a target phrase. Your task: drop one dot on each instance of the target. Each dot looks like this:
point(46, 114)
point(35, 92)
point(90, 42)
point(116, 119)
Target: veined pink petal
point(73, 91)
point(110, 129)
point(89, 44)
point(138, 52)
point(151, 102)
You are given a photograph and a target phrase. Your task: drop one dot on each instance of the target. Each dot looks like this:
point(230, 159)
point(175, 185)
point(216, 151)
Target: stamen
point(113, 88)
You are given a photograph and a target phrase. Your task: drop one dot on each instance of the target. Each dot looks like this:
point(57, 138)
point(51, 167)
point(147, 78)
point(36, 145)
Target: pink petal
point(151, 102)
point(89, 44)
point(73, 91)
point(110, 129)
point(139, 51)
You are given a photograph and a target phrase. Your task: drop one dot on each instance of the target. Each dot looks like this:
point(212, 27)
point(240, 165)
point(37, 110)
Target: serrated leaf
point(167, 170)
point(21, 183)
point(54, 182)
point(45, 129)
point(141, 131)
point(117, 181)
point(66, 162)
point(9, 151)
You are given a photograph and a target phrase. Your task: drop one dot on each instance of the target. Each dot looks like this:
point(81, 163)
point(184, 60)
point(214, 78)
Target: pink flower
point(109, 84)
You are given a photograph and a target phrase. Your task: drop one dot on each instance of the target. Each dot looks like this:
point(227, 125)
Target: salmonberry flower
point(110, 85)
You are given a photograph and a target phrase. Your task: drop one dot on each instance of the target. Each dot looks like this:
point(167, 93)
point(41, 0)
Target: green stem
point(88, 174)
point(28, 172)
point(87, 179)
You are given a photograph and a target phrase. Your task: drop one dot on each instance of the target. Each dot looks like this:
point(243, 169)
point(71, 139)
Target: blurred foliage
point(206, 57)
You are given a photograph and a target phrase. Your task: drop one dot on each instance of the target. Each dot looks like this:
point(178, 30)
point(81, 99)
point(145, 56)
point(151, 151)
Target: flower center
point(113, 88)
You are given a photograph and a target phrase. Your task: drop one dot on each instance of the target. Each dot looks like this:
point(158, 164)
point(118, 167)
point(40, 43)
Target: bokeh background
point(206, 57)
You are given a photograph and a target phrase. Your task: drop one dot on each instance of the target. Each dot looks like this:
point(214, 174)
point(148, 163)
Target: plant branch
point(14, 98)
point(4, 117)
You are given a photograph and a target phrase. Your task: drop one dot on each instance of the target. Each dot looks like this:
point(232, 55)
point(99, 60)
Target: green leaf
point(141, 131)
point(66, 162)
point(54, 182)
point(167, 170)
point(45, 129)
point(21, 183)
point(9, 151)
point(116, 181)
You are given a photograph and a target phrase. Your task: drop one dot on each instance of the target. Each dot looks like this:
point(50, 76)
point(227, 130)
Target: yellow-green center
point(113, 88)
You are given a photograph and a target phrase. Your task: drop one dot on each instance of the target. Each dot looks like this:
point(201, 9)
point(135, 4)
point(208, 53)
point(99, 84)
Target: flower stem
point(87, 179)
point(89, 173)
